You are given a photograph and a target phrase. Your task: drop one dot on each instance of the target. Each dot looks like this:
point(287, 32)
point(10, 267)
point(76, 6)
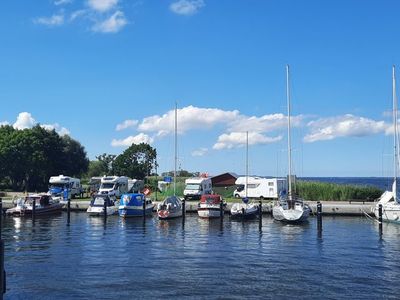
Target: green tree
point(106, 161)
point(136, 162)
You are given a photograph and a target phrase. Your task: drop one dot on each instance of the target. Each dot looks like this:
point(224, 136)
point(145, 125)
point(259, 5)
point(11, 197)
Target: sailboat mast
point(395, 156)
point(288, 134)
point(176, 145)
point(247, 160)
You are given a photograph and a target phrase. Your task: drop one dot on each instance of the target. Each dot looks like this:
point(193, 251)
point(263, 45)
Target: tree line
point(29, 157)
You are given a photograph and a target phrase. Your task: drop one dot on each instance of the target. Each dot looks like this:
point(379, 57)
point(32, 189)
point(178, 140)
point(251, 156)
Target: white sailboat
point(245, 210)
point(172, 206)
point(290, 208)
point(388, 200)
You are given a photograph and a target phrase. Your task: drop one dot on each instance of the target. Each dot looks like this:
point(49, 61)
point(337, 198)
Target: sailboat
point(388, 200)
point(245, 210)
point(290, 208)
point(171, 207)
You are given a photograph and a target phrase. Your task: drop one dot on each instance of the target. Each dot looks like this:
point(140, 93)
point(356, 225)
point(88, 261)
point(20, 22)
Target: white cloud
point(24, 120)
point(111, 25)
point(238, 139)
point(102, 5)
point(199, 152)
point(59, 129)
point(54, 20)
point(343, 126)
point(264, 123)
point(189, 118)
point(137, 139)
point(78, 13)
point(4, 123)
point(186, 7)
point(62, 2)
point(126, 124)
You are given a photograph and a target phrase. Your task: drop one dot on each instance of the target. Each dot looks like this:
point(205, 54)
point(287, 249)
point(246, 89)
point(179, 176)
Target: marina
point(91, 256)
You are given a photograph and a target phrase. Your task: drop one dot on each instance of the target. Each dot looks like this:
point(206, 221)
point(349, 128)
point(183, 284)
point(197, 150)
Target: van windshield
point(107, 185)
point(57, 185)
point(195, 187)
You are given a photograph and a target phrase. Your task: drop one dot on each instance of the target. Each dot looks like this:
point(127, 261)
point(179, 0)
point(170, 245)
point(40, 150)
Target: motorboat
point(44, 204)
point(96, 206)
point(210, 206)
point(389, 200)
point(170, 208)
point(245, 210)
point(290, 208)
point(131, 205)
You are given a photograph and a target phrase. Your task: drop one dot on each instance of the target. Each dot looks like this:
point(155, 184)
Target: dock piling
point(380, 219)
point(33, 209)
point(260, 215)
point(319, 216)
point(221, 209)
point(144, 207)
point(2, 272)
point(105, 208)
point(1, 216)
point(183, 209)
point(68, 211)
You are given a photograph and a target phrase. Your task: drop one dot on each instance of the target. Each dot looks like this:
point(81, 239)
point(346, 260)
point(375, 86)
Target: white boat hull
point(299, 213)
point(209, 212)
point(244, 211)
point(99, 211)
point(390, 212)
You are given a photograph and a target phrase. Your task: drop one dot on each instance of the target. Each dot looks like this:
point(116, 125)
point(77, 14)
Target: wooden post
point(221, 209)
point(319, 216)
point(105, 208)
point(183, 209)
point(380, 218)
point(1, 216)
point(68, 211)
point(144, 207)
point(260, 215)
point(33, 209)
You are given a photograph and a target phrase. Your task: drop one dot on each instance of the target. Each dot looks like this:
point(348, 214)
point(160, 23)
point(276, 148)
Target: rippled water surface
point(204, 259)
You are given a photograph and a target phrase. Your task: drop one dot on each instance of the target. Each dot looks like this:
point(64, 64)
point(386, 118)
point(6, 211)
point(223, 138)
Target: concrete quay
point(340, 208)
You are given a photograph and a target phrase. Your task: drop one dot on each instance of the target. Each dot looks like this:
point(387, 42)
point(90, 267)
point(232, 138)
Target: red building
point(225, 179)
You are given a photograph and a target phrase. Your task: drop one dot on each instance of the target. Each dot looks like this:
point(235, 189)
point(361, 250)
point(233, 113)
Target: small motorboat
point(96, 206)
point(210, 206)
point(131, 205)
point(245, 210)
point(44, 204)
point(170, 208)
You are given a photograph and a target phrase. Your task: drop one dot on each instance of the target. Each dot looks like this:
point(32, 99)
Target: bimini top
point(132, 199)
point(211, 199)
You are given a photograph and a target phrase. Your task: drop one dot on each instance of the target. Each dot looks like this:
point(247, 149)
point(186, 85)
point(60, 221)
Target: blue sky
point(108, 72)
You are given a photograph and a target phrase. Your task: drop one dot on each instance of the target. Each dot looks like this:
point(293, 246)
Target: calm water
point(159, 259)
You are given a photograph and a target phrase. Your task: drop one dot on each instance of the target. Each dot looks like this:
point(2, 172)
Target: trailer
point(259, 187)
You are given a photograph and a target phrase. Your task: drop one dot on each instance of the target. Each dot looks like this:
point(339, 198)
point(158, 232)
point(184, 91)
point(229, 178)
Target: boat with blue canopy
point(131, 205)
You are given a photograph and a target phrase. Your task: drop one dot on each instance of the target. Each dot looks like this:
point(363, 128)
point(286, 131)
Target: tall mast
point(395, 156)
point(288, 134)
point(176, 145)
point(247, 160)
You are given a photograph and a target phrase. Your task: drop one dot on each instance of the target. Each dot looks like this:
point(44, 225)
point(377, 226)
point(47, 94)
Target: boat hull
point(244, 211)
point(134, 211)
point(293, 215)
point(390, 212)
point(166, 214)
point(209, 212)
point(27, 211)
point(99, 211)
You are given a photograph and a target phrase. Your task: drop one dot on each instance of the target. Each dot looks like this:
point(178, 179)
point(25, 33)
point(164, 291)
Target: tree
point(106, 161)
point(136, 162)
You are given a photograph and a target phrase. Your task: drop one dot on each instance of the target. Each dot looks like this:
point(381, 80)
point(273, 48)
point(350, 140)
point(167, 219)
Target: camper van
point(259, 187)
point(197, 186)
point(135, 185)
point(113, 186)
point(64, 187)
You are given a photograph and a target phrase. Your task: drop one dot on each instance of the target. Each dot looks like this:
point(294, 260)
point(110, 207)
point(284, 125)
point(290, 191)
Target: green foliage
point(106, 164)
point(321, 191)
point(136, 162)
point(29, 157)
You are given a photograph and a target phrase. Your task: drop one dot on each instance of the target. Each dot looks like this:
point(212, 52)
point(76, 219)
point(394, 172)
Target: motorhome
point(259, 187)
point(113, 186)
point(196, 187)
point(64, 187)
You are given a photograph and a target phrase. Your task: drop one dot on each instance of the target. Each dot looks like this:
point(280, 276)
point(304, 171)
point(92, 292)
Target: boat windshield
point(98, 201)
point(107, 185)
point(192, 186)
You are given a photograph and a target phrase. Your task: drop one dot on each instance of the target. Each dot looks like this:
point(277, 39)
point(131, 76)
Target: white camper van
point(60, 185)
point(258, 187)
point(197, 186)
point(114, 186)
point(135, 185)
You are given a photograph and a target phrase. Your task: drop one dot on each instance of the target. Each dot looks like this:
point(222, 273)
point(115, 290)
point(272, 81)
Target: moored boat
point(245, 210)
point(170, 208)
point(210, 206)
point(44, 204)
point(96, 206)
point(131, 205)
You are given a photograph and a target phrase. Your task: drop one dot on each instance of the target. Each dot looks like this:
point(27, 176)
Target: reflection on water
point(138, 258)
